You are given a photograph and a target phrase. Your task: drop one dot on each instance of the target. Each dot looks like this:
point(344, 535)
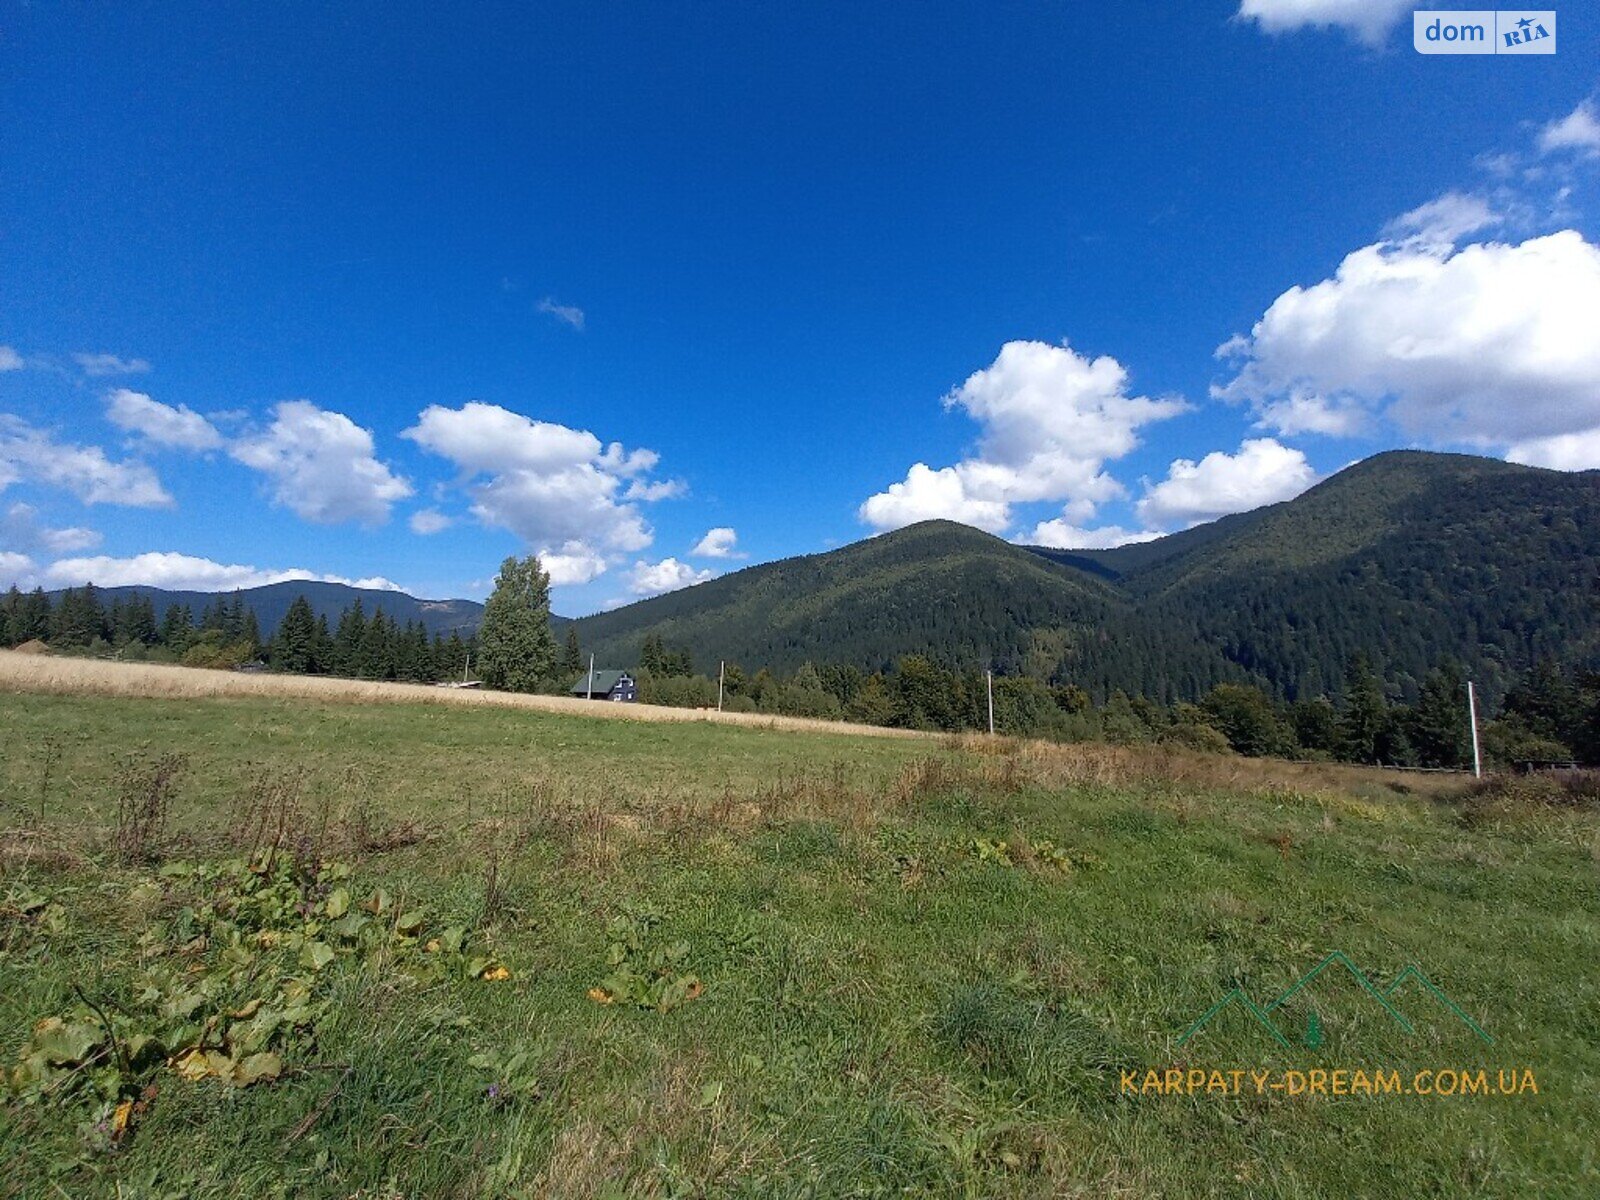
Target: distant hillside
point(1408, 556)
point(327, 600)
point(938, 589)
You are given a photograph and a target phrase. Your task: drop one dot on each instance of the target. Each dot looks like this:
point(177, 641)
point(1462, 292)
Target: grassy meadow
point(296, 946)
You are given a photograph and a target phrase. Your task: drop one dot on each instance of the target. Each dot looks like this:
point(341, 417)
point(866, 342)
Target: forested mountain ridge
point(934, 586)
point(1412, 558)
point(1409, 557)
point(328, 600)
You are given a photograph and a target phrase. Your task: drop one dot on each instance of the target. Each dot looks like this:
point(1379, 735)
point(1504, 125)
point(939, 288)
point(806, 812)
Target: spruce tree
point(375, 653)
point(35, 622)
point(1439, 729)
point(141, 620)
point(77, 619)
point(516, 647)
point(293, 645)
point(10, 607)
point(572, 663)
point(175, 628)
point(347, 640)
point(321, 648)
point(453, 658)
point(1366, 713)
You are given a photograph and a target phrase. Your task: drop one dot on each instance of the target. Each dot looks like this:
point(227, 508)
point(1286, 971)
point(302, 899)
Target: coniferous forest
point(1343, 624)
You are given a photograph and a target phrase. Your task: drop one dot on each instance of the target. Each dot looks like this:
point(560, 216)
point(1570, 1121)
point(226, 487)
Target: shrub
point(1196, 736)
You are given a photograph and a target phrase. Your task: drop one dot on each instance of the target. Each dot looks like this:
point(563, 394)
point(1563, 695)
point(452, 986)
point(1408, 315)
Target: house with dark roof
point(608, 685)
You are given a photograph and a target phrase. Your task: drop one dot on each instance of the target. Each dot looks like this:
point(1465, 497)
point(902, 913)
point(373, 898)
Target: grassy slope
point(884, 1011)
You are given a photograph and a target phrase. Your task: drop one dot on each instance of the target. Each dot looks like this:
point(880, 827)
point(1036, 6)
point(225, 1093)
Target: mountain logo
point(1269, 1016)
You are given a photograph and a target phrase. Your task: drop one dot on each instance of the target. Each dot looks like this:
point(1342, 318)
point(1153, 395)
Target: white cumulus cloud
point(321, 465)
point(1563, 452)
point(32, 455)
point(668, 575)
point(569, 497)
point(1368, 20)
point(179, 427)
point(1050, 418)
point(1579, 131)
point(1493, 344)
point(573, 563)
point(926, 494)
point(1262, 472)
point(1061, 534)
point(10, 360)
point(721, 542)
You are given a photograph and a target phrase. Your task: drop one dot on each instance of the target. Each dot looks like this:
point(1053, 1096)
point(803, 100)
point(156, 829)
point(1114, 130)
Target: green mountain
point(937, 588)
point(1410, 557)
point(272, 601)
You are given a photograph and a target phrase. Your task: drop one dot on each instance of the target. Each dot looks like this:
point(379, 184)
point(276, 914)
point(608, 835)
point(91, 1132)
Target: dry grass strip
point(96, 677)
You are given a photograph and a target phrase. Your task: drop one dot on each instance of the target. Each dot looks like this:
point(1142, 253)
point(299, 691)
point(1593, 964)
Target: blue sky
point(372, 293)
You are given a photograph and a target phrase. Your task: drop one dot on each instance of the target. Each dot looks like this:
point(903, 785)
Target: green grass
point(887, 1010)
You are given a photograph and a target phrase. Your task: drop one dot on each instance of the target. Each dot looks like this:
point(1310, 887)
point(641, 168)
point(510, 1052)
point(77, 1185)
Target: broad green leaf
point(62, 1044)
point(256, 1068)
point(410, 922)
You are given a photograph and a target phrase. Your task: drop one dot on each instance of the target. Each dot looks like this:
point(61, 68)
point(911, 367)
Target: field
point(307, 945)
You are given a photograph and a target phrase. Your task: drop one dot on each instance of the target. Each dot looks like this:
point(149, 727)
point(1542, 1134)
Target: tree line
point(1549, 715)
point(226, 634)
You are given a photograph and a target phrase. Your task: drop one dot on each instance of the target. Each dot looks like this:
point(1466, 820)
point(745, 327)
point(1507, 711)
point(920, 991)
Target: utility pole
point(1472, 716)
point(989, 676)
point(591, 678)
point(722, 671)
point(466, 666)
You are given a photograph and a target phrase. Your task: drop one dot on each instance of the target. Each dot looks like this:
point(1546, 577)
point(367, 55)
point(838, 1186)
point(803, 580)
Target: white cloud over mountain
point(1490, 345)
point(1061, 534)
point(1262, 472)
point(572, 499)
point(573, 563)
point(1050, 419)
point(721, 542)
point(162, 569)
point(668, 575)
